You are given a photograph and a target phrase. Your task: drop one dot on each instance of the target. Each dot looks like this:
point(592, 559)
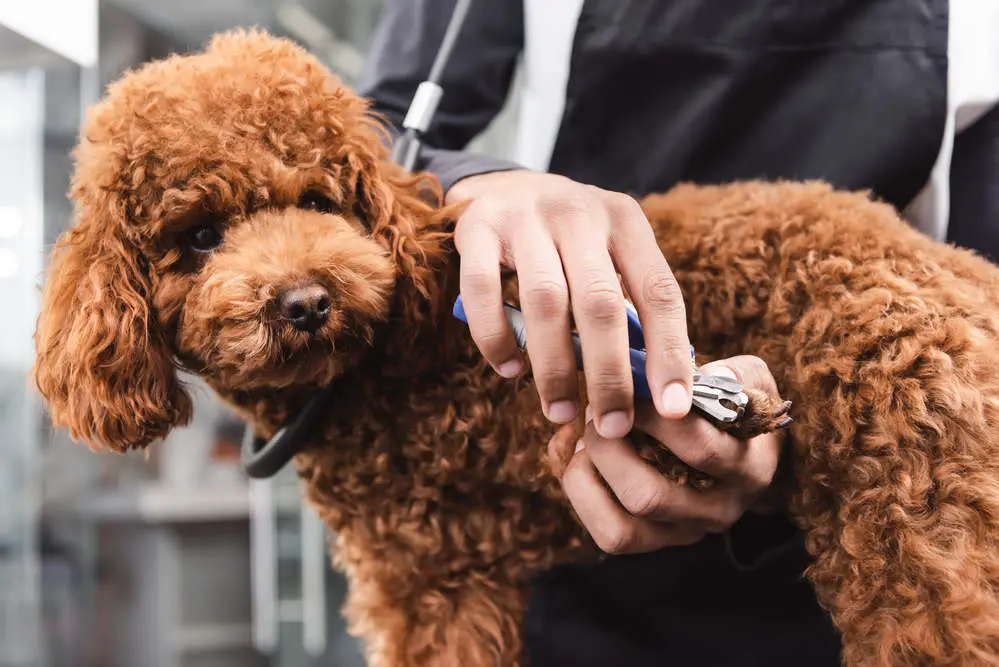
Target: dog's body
point(432, 470)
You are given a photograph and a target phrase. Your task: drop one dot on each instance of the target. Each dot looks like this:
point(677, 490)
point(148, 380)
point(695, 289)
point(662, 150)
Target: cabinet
point(175, 569)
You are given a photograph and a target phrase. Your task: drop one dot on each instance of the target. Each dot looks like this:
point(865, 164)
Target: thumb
point(751, 371)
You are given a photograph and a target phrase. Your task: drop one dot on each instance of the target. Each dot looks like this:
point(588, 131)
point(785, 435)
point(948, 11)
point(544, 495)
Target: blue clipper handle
point(636, 337)
point(459, 310)
point(638, 373)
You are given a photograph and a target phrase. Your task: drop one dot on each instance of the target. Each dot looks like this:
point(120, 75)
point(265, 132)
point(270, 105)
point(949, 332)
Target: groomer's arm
point(476, 79)
point(565, 240)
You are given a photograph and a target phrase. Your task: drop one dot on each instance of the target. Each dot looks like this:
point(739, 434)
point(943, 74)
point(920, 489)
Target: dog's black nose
point(305, 306)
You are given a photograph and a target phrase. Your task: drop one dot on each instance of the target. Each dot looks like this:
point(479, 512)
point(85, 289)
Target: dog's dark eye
point(313, 201)
point(205, 238)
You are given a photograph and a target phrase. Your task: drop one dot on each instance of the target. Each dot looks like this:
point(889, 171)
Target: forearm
point(476, 79)
point(451, 166)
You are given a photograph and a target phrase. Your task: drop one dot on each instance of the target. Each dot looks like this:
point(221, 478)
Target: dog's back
point(888, 344)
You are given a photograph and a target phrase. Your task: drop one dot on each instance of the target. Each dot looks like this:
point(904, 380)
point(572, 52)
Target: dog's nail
point(562, 412)
point(615, 424)
point(784, 423)
point(579, 447)
point(511, 368)
point(588, 413)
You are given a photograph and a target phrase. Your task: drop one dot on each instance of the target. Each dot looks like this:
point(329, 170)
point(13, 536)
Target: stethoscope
point(261, 458)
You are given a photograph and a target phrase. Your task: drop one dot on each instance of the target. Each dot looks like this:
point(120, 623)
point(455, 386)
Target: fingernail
point(579, 447)
point(615, 424)
point(676, 400)
point(511, 368)
point(562, 412)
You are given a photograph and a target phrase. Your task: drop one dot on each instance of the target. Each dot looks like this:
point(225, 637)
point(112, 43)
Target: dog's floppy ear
point(100, 364)
point(403, 210)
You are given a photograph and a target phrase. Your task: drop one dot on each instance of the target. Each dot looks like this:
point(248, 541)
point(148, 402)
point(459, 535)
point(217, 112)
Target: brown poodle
point(238, 217)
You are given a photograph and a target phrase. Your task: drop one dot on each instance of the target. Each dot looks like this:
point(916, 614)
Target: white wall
point(67, 27)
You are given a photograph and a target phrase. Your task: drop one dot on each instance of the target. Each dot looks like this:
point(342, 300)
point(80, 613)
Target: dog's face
point(281, 297)
point(236, 217)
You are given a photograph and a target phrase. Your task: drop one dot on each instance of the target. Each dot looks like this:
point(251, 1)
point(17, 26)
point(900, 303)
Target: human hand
point(566, 241)
point(644, 511)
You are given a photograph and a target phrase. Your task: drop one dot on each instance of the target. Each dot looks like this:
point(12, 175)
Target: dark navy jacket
point(894, 96)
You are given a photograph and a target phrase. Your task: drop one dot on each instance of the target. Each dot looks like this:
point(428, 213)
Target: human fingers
point(599, 312)
point(646, 493)
point(700, 444)
point(613, 529)
point(480, 250)
point(659, 302)
point(695, 441)
point(762, 456)
point(751, 371)
point(544, 300)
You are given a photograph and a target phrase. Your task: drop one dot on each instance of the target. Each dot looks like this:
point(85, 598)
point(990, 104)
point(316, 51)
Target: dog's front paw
point(764, 413)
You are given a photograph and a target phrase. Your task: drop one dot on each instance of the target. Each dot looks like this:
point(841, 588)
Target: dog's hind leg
point(899, 491)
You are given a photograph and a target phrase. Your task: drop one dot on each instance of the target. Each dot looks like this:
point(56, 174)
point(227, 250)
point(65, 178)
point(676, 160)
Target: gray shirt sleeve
point(476, 80)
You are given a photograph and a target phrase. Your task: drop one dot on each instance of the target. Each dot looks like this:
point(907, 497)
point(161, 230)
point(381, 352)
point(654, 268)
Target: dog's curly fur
point(432, 470)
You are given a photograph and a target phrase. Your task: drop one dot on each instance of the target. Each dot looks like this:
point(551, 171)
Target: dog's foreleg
point(407, 618)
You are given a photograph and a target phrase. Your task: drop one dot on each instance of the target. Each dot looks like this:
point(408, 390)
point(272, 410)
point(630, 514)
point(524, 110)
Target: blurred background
point(172, 559)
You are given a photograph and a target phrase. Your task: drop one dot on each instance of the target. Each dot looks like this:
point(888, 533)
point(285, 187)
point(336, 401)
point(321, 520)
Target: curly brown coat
point(433, 471)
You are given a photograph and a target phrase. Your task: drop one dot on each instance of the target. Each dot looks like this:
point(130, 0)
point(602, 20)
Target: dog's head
point(237, 216)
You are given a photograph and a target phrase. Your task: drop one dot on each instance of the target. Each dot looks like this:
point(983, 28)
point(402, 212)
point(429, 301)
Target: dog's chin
point(314, 366)
point(276, 358)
